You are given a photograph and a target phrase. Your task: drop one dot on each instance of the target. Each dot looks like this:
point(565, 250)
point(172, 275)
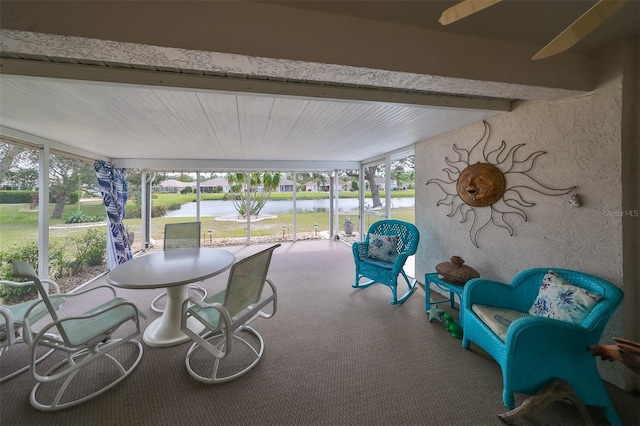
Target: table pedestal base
point(165, 331)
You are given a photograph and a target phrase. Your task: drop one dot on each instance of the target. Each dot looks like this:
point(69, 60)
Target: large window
point(67, 218)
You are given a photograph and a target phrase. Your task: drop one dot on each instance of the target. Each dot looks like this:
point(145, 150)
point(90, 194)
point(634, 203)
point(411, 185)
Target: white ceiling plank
point(157, 123)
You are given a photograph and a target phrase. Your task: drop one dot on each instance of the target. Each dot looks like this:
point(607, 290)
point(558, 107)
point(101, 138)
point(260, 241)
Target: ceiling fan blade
point(464, 9)
point(582, 26)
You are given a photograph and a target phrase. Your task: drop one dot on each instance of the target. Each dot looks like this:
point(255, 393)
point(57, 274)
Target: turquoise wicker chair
point(405, 238)
point(536, 349)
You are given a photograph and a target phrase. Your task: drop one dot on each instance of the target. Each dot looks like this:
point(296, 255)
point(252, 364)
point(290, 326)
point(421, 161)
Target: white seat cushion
point(497, 319)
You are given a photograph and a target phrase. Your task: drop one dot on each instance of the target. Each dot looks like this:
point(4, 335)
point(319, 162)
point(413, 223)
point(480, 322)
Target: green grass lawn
point(18, 225)
point(168, 199)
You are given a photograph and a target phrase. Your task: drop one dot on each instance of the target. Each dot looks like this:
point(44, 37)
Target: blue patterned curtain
point(113, 184)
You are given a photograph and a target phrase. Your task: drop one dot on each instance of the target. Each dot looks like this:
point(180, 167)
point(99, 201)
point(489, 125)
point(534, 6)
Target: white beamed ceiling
point(177, 128)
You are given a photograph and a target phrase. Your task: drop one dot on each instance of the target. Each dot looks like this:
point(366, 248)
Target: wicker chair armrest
point(360, 250)
point(546, 336)
point(401, 259)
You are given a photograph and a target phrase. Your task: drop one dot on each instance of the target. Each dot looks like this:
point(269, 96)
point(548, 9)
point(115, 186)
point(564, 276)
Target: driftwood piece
point(556, 390)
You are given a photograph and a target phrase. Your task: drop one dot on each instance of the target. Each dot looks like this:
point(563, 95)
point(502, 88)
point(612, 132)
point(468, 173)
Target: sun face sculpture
point(489, 186)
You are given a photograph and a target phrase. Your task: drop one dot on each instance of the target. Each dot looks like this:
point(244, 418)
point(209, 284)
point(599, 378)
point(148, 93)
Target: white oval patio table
point(174, 270)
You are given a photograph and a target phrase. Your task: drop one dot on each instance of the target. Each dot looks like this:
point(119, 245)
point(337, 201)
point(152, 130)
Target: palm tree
point(261, 185)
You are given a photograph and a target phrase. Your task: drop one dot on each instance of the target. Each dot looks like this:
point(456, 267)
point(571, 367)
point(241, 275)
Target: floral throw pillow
point(560, 300)
point(383, 247)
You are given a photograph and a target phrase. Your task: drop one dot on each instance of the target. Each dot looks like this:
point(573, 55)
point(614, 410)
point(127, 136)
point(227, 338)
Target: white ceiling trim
point(18, 137)
point(179, 81)
point(194, 165)
point(80, 48)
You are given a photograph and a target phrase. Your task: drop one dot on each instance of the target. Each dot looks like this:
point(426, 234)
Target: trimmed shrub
point(28, 253)
point(136, 213)
point(73, 197)
point(89, 249)
point(16, 197)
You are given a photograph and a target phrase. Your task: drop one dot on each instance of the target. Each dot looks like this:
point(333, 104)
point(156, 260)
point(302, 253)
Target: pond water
point(225, 208)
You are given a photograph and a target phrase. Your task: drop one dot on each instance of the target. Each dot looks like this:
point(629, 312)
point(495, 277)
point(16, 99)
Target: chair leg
point(24, 368)
point(507, 398)
point(73, 362)
point(412, 288)
point(612, 416)
point(357, 284)
point(217, 372)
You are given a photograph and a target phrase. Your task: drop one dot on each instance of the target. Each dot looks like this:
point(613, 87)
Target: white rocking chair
point(11, 324)
point(82, 342)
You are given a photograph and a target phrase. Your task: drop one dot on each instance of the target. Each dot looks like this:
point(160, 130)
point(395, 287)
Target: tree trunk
point(59, 207)
point(370, 176)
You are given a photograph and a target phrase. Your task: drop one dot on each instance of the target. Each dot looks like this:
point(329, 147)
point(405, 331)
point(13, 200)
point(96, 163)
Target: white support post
point(387, 186)
point(145, 199)
point(336, 184)
point(331, 208)
point(295, 190)
point(43, 213)
point(198, 197)
point(361, 221)
point(247, 182)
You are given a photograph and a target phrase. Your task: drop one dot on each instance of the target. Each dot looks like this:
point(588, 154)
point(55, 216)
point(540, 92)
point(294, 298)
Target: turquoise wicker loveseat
point(535, 349)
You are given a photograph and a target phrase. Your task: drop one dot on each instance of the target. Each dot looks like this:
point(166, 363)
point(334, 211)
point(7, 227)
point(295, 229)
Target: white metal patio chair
point(227, 316)
point(11, 323)
point(86, 360)
point(176, 236)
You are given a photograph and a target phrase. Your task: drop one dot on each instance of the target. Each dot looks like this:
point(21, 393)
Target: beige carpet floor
point(334, 356)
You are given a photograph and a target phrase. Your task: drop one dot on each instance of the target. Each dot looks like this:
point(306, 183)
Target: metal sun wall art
point(488, 185)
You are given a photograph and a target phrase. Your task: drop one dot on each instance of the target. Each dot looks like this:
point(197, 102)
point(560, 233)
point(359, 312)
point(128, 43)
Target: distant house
point(286, 185)
point(210, 185)
point(172, 186)
point(381, 184)
point(311, 186)
point(316, 186)
point(344, 185)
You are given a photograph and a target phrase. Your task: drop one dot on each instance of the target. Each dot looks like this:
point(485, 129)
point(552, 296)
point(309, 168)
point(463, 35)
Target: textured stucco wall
point(581, 136)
